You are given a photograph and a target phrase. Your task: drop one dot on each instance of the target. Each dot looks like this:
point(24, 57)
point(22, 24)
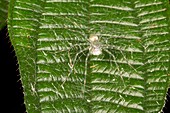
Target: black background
point(11, 88)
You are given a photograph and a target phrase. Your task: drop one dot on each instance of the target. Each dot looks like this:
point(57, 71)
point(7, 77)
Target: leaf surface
point(3, 12)
point(59, 71)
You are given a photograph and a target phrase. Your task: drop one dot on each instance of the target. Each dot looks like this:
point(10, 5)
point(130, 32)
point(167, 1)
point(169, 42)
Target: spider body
point(95, 45)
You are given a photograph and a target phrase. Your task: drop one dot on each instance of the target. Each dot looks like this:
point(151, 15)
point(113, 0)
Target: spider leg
point(85, 73)
point(72, 46)
point(107, 51)
point(127, 61)
point(123, 57)
point(72, 65)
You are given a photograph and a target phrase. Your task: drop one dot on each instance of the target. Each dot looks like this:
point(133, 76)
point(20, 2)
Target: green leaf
point(3, 12)
point(59, 70)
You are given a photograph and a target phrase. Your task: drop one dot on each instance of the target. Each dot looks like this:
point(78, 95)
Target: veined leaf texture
point(60, 69)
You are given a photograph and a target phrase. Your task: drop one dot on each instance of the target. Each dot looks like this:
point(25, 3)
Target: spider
point(95, 48)
point(95, 45)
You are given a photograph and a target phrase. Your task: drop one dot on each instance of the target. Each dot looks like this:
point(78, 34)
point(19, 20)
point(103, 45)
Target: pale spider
point(95, 48)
